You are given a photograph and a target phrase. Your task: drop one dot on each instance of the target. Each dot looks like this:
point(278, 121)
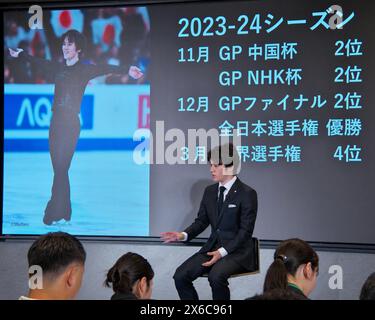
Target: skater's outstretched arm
point(98, 70)
point(46, 66)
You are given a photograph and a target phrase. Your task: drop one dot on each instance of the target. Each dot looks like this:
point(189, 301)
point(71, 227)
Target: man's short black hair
point(368, 289)
point(224, 155)
point(54, 251)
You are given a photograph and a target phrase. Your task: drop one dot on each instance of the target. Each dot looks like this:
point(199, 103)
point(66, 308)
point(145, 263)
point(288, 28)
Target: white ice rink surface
point(109, 194)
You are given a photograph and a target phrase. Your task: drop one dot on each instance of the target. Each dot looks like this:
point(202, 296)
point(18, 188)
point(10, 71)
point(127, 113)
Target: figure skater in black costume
point(70, 80)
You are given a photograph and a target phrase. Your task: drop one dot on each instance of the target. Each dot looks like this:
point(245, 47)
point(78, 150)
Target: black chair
point(256, 267)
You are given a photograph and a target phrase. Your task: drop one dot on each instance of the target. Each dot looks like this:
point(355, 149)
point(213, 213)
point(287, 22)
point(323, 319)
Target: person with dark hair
point(70, 81)
point(230, 207)
point(368, 289)
point(131, 278)
point(295, 267)
point(61, 259)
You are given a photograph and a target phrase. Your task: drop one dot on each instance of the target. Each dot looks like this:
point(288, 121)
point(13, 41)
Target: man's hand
point(216, 256)
point(135, 72)
point(15, 53)
point(171, 236)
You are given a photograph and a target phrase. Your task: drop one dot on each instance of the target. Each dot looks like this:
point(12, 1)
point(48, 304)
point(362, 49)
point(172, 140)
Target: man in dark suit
point(230, 207)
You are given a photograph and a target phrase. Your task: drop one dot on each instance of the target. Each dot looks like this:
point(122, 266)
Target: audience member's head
point(130, 277)
point(295, 267)
point(368, 289)
point(277, 294)
point(61, 258)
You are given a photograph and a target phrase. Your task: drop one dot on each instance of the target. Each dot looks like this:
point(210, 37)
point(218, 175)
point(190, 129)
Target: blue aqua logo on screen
point(33, 111)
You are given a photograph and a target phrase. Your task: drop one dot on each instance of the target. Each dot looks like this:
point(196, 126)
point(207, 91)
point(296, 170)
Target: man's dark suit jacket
point(233, 227)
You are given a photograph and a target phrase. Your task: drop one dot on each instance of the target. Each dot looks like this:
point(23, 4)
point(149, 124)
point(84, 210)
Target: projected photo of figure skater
point(70, 79)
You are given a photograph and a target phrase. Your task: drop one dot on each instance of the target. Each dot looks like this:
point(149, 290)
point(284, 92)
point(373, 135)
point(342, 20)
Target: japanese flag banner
point(107, 31)
point(64, 20)
point(37, 39)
